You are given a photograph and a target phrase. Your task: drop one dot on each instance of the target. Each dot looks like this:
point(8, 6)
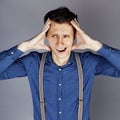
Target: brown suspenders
point(41, 92)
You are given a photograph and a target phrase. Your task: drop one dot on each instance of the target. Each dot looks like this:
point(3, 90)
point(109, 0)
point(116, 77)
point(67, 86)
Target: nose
point(60, 41)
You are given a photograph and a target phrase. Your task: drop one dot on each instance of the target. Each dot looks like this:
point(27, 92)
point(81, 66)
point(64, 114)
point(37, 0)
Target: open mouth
point(61, 50)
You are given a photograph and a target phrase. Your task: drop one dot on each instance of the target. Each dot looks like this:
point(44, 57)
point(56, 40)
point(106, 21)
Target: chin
point(63, 55)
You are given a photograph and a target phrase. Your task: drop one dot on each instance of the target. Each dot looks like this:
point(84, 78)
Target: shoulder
point(89, 57)
point(84, 55)
point(30, 57)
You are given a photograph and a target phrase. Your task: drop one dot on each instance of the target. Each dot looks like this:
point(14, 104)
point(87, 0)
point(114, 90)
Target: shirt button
point(60, 69)
point(59, 99)
point(60, 84)
point(60, 112)
point(12, 53)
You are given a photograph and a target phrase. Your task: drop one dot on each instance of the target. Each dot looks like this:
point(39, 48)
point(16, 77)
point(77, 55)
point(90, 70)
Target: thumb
point(73, 47)
point(46, 48)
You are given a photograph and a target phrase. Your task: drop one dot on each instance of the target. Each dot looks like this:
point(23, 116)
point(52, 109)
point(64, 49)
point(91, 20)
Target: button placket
point(59, 92)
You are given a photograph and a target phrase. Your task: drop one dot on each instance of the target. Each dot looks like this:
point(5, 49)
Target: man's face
point(60, 38)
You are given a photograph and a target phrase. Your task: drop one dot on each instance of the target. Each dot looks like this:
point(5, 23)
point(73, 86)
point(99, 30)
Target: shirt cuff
point(14, 53)
point(106, 51)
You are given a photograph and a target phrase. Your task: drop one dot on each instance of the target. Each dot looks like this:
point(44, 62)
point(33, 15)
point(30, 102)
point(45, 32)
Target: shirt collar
point(49, 57)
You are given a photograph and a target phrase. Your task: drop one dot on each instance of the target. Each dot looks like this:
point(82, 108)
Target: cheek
point(69, 43)
point(51, 43)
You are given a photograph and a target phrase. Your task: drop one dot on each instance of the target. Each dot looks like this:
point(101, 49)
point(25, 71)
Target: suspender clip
point(80, 100)
point(42, 102)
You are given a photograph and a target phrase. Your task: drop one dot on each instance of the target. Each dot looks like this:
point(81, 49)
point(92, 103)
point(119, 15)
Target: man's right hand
point(37, 42)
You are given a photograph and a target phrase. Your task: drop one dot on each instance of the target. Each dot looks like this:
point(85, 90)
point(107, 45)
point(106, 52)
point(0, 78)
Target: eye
point(66, 36)
point(54, 36)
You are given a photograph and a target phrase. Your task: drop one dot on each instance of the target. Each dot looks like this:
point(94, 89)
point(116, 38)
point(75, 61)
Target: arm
point(111, 54)
point(10, 65)
point(37, 42)
point(8, 57)
point(83, 40)
point(101, 65)
point(86, 42)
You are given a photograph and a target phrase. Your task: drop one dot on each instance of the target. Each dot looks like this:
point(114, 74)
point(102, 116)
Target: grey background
point(22, 19)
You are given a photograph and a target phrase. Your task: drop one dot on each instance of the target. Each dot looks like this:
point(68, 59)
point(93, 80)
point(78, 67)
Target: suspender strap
point(80, 74)
point(41, 92)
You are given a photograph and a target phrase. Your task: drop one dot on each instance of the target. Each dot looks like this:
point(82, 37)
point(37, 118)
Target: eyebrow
point(62, 33)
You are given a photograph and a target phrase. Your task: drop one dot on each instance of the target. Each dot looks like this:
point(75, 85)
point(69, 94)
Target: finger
point(48, 20)
point(46, 47)
point(47, 24)
point(46, 28)
point(75, 47)
point(76, 22)
point(76, 25)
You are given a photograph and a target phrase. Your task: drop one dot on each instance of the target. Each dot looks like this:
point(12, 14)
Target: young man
point(60, 72)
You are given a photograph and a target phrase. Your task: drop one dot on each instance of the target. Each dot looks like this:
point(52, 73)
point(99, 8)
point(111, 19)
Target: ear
point(46, 42)
point(74, 41)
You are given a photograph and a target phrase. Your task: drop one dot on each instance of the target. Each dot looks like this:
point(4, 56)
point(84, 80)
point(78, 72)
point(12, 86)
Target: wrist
point(95, 46)
point(24, 47)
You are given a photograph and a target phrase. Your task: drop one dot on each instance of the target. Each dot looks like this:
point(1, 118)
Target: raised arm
point(36, 42)
point(86, 42)
point(10, 65)
point(83, 40)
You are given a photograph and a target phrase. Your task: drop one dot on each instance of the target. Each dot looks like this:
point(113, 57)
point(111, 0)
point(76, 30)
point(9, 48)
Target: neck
point(60, 61)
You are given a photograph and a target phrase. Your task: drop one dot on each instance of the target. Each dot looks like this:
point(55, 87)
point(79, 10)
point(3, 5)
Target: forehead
point(61, 27)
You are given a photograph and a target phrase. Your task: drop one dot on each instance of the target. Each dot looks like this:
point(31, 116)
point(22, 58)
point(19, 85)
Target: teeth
point(61, 50)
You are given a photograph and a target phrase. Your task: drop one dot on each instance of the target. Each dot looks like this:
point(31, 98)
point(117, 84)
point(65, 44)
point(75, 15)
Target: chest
point(60, 81)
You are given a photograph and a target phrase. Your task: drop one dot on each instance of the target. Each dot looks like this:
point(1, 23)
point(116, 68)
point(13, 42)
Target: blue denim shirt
point(60, 83)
